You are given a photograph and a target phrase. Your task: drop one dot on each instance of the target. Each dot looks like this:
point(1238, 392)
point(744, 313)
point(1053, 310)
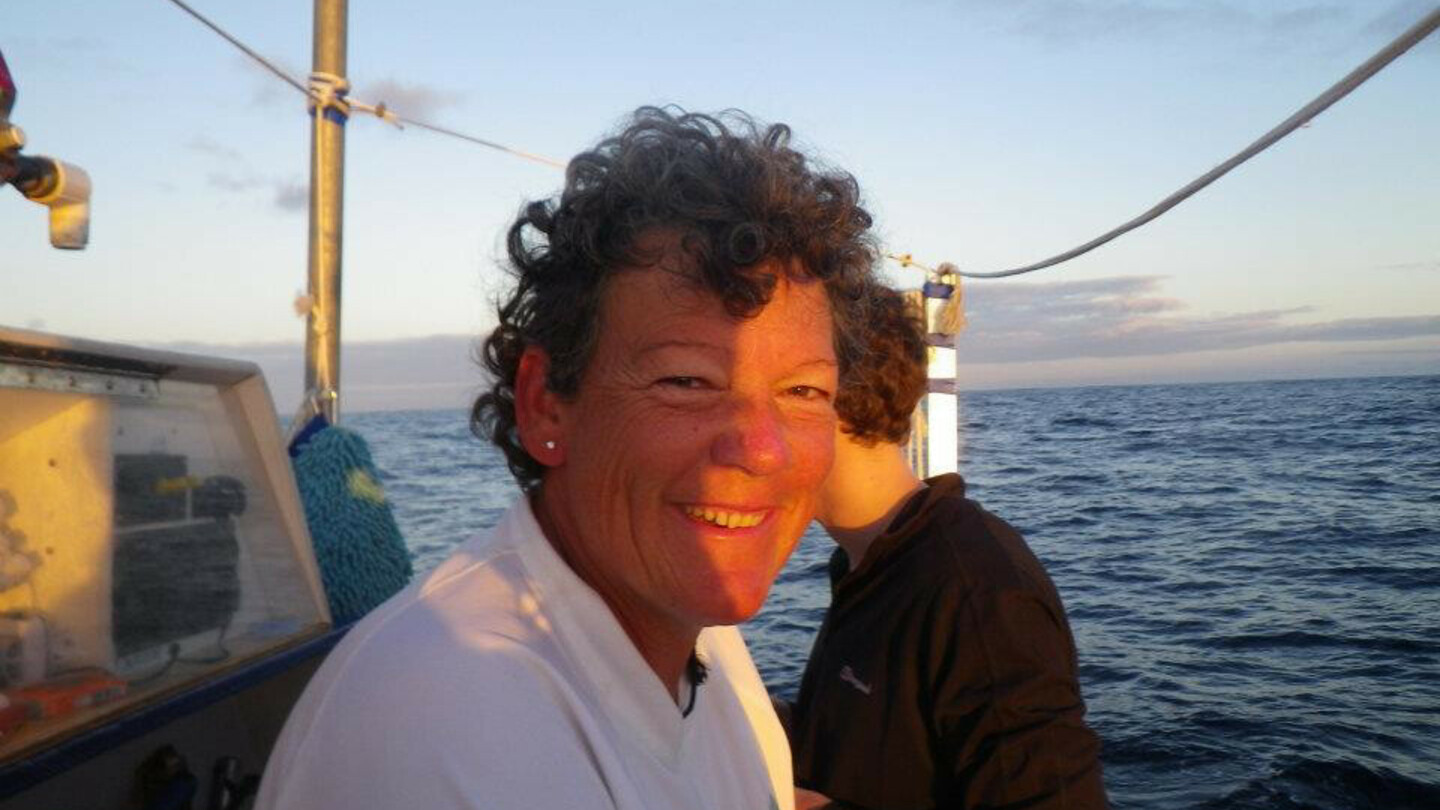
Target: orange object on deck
point(68, 693)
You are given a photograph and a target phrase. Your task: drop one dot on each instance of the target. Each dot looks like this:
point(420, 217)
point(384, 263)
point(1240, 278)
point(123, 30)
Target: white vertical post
point(942, 405)
point(934, 446)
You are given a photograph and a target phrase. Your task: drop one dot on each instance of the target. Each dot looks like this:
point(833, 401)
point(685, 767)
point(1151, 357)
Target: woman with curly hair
point(663, 380)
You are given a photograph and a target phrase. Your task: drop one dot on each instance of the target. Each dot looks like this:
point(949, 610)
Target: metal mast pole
point(328, 112)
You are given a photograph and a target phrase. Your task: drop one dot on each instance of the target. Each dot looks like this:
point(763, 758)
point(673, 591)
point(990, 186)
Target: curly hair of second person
point(723, 192)
point(886, 381)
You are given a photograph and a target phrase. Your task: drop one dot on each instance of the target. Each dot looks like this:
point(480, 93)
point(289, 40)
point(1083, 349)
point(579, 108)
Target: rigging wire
point(380, 110)
point(481, 141)
point(1342, 88)
point(265, 63)
point(1301, 117)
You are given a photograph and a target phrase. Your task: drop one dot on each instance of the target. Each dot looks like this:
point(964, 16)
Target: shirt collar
point(621, 682)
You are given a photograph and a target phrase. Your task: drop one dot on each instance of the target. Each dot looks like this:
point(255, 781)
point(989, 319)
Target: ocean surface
point(1251, 570)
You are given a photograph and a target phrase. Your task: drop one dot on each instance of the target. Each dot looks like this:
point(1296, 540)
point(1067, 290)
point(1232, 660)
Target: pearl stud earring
point(549, 445)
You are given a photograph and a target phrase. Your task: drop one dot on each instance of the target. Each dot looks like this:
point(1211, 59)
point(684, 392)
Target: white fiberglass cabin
point(157, 583)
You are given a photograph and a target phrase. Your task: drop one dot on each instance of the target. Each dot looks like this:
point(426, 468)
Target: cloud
point(292, 195)
point(405, 373)
point(1125, 317)
point(269, 90)
point(225, 181)
point(1430, 352)
point(1289, 361)
point(1429, 264)
point(235, 175)
point(411, 100)
point(1303, 20)
point(76, 46)
point(1394, 20)
point(1348, 329)
point(414, 100)
point(1065, 300)
point(1065, 22)
point(1113, 330)
point(206, 145)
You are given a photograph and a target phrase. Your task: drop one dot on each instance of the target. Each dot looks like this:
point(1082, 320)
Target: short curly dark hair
point(730, 195)
point(886, 382)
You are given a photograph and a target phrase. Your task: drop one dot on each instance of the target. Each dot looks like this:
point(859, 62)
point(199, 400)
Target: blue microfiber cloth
point(363, 559)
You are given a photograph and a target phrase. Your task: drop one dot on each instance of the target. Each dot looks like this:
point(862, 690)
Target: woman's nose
point(754, 440)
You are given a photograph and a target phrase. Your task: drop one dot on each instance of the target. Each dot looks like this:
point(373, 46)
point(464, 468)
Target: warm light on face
point(695, 447)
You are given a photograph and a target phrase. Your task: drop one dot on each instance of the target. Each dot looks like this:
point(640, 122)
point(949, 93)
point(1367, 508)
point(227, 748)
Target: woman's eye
point(689, 383)
point(808, 392)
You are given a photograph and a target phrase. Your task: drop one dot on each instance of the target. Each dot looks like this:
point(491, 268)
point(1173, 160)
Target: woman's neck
point(866, 490)
point(665, 646)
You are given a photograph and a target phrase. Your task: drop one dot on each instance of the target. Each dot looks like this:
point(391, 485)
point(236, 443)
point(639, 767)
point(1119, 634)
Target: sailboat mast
point(328, 111)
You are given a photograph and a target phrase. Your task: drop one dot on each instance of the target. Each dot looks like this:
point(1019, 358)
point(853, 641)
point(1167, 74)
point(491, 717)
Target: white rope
point(379, 111)
point(327, 92)
point(1342, 88)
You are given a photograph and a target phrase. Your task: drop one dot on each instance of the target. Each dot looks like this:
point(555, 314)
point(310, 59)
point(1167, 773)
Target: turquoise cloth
point(362, 556)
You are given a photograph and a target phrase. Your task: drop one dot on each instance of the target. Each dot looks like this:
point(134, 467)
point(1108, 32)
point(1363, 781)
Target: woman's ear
point(538, 409)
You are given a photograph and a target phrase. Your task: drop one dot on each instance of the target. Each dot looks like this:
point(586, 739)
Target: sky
point(988, 133)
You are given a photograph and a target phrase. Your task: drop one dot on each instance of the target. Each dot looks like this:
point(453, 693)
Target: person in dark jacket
point(944, 673)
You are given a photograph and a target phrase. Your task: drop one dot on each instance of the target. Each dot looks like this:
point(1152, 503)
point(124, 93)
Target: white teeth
point(724, 519)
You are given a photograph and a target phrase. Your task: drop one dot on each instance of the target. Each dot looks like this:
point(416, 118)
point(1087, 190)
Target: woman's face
point(692, 453)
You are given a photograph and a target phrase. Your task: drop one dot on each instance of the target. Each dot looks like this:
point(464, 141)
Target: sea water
point(1251, 570)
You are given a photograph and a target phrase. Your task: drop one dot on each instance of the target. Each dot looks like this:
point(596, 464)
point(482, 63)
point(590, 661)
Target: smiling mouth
point(725, 518)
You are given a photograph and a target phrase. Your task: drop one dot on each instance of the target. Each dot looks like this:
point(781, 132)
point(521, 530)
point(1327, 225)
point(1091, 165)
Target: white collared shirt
point(501, 680)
